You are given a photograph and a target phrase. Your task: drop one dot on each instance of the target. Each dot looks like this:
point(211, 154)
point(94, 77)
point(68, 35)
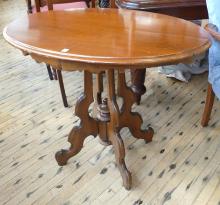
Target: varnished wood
point(208, 106)
point(103, 116)
point(49, 72)
point(186, 9)
point(88, 126)
point(151, 43)
point(213, 31)
point(189, 40)
point(113, 131)
point(62, 89)
point(91, 176)
point(53, 74)
point(130, 119)
point(138, 77)
point(108, 124)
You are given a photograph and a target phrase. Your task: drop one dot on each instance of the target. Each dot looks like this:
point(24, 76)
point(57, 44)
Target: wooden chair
point(64, 4)
point(45, 5)
point(36, 8)
point(210, 94)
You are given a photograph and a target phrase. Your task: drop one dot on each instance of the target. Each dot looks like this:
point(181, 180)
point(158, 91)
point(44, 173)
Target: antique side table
point(109, 41)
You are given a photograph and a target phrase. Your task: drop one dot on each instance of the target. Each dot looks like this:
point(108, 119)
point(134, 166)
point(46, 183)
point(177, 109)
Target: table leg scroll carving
point(130, 119)
point(113, 132)
point(108, 122)
point(88, 125)
point(119, 149)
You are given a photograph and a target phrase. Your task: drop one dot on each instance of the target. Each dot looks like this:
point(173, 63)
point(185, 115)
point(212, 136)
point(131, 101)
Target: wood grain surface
point(108, 36)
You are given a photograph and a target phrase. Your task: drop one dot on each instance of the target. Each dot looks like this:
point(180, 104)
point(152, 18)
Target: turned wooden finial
point(103, 111)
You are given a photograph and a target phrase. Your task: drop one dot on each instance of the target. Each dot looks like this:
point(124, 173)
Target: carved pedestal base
point(110, 120)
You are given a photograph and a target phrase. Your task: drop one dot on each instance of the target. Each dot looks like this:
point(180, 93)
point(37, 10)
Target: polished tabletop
point(108, 36)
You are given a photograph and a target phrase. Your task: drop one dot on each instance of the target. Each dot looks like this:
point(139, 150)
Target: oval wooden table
point(106, 41)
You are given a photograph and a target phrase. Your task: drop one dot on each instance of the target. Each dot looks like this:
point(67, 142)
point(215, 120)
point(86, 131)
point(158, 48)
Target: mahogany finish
point(208, 106)
point(131, 40)
point(186, 9)
point(52, 73)
point(135, 39)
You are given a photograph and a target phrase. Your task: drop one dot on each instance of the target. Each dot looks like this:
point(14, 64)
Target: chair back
point(51, 2)
point(38, 4)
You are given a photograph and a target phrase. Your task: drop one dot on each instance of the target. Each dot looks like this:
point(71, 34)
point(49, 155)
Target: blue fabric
point(214, 51)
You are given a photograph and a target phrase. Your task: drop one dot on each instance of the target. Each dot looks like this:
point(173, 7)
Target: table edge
point(134, 62)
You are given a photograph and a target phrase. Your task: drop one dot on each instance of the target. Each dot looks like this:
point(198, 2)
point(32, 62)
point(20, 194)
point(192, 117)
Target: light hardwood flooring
point(180, 167)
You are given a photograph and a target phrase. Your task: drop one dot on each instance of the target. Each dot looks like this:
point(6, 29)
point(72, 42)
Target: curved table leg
point(119, 149)
point(113, 131)
point(110, 120)
point(129, 119)
point(137, 80)
point(88, 126)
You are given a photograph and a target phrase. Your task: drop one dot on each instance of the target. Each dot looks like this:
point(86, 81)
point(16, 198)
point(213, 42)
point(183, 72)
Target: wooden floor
point(180, 167)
